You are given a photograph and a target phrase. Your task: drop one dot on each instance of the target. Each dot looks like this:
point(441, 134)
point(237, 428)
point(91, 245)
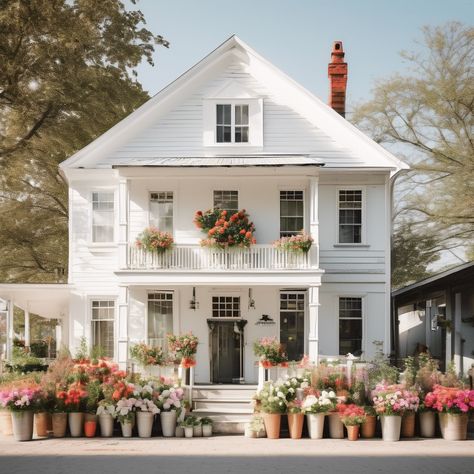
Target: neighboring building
point(232, 132)
point(437, 314)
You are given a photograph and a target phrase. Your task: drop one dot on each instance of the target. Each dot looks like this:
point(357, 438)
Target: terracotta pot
point(295, 425)
point(408, 425)
point(352, 432)
point(76, 423)
point(41, 424)
point(427, 424)
point(22, 422)
point(368, 427)
point(6, 427)
point(90, 428)
point(315, 423)
point(391, 426)
point(59, 424)
point(272, 423)
point(336, 427)
point(453, 427)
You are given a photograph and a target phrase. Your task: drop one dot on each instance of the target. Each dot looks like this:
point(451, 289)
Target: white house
point(232, 132)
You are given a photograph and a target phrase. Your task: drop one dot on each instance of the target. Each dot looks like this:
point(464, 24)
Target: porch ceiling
point(48, 300)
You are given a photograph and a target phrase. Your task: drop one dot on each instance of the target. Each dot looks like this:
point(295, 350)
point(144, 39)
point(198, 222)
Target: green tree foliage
point(426, 117)
point(66, 76)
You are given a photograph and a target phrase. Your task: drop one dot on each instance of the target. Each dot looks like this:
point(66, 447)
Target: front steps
point(229, 406)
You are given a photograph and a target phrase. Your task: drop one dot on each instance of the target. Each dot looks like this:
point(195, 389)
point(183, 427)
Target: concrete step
point(221, 404)
point(224, 391)
point(228, 423)
point(217, 411)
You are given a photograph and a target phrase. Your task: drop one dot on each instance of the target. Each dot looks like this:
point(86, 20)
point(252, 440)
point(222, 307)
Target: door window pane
point(292, 316)
point(102, 216)
point(291, 213)
point(103, 320)
point(350, 325)
point(161, 211)
point(160, 318)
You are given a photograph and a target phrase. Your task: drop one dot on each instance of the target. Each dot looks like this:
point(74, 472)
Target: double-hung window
point(103, 321)
point(350, 216)
point(161, 210)
point(350, 325)
point(160, 318)
point(292, 316)
point(291, 213)
point(227, 201)
point(232, 123)
point(103, 216)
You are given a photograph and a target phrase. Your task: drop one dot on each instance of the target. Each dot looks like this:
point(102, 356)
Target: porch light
point(251, 300)
point(193, 304)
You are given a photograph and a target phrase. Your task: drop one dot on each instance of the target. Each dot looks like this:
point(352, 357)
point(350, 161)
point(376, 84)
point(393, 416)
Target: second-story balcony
point(195, 258)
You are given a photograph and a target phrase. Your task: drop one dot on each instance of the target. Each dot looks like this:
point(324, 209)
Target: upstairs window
point(103, 216)
point(232, 123)
point(350, 216)
point(291, 213)
point(227, 201)
point(161, 211)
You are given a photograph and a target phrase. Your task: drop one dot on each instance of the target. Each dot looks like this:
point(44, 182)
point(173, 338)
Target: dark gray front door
point(226, 346)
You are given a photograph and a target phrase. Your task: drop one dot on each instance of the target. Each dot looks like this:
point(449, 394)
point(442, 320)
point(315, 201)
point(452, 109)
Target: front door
point(226, 344)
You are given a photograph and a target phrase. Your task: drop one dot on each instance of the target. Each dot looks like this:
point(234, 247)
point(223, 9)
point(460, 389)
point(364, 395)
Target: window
point(292, 316)
point(103, 317)
point(226, 306)
point(232, 123)
point(350, 325)
point(103, 216)
point(227, 201)
point(160, 318)
point(350, 216)
point(161, 211)
point(291, 213)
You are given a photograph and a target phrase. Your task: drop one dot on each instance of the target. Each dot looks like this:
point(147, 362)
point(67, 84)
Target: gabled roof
point(301, 100)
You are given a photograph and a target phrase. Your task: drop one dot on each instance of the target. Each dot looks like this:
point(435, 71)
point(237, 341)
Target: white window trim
point(305, 205)
point(175, 207)
point(363, 297)
point(255, 122)
point(363, 243)
point(176, 322)
point(306, 315)
point(102, 245)
point(90, 335)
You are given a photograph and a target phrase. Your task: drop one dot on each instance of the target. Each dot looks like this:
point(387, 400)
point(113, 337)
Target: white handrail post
point(261, 377)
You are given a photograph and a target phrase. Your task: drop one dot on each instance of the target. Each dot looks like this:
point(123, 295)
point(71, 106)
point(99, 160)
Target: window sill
point(355, 246)
point(102, 246)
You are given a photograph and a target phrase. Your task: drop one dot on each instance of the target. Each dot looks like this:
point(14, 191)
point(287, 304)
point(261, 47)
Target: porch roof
point(221, 161)
point(48, 300)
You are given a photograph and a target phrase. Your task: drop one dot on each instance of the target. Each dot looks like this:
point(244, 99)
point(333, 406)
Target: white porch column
point(313, 337)
point(27, 329)
point(123, 222)
point(314, 219)
point(122, 345)
point(10, 332)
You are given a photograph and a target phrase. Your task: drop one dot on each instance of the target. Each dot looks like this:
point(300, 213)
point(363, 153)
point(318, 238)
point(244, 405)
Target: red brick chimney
point(337, 72)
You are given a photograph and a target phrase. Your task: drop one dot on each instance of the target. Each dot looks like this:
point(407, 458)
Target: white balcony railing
point(193, 257)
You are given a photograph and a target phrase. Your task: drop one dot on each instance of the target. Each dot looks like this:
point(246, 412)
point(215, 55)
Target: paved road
point(234, 454)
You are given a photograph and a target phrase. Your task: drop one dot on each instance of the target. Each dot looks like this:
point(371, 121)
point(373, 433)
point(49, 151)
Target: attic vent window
point(232, 123)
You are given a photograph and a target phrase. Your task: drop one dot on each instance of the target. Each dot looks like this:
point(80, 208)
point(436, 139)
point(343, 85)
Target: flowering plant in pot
point(295, 418)
point(146, 408)
point(352, 416)
point(125, 411)
point(273, 403)
point(94, 394)
point(269, 351)
point(255, 428)
point(75, 403)
point(188, 425)
point(107, 412)
point(154, 240)
point(169, 402)
point(316, 405)
point(453, 405)
point(224, 231)
point(146, 355)
point(299, 243)
point(206, 424)
point(369, 424)
point(185, 347)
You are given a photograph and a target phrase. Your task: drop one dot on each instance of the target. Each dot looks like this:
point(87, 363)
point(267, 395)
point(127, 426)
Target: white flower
point(280, 395)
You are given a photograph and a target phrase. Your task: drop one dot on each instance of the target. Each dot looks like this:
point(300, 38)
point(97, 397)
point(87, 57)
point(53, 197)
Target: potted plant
point(352, 416)
point(75, 404)
point(169, 402)
point(94, 393)
point(125, 411)
point(147, 356)
point(59, 415)
point(206, 424)
point(273, 403)
point(295, 419)
point(255, 428)
point(42, 415)
point(298, 244)
point(316, 406)
point(21, 403)
point(155, 241)
point(453, 405)
point(367, 429)
point(224, 231)
point(146, 409)
point(188, 425)
point(185, 347)
point(106, 411)
point(269, 351)
point(197, 428)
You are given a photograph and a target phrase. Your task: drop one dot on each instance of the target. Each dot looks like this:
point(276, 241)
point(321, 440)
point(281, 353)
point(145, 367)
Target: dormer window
point(232, 123)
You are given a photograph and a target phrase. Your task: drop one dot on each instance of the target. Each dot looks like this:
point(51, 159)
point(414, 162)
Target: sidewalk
point(234, 454)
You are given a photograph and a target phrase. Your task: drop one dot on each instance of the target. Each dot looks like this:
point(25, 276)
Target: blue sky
point(296, 35)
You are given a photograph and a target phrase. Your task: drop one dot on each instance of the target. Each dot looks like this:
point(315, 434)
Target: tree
point(427, 118)
point(67, 76)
